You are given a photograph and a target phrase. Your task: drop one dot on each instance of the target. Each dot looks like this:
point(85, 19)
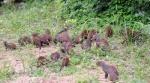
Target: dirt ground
point(15, 62)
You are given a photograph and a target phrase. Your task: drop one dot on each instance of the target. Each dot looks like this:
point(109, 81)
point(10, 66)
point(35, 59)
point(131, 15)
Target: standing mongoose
point(91, 33)
point(65, 62)
point(108, 32)
point(84, 34)
point(109, 70)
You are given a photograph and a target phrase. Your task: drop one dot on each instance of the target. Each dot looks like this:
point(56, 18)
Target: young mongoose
point(9, 45)
point(77, 39)
point(63, 30)
point(101, 42)
point(91, 33)
point(62, 37)
point(65, 62)
point(67, 46)
point(55, 56)
point(37, 42)
point(42, 61)
point(24, 40)
point(109, 70)
point(86, 44)
point(46, 38)
point(84, 34)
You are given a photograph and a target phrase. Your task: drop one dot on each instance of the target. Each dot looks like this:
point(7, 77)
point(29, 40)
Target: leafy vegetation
point(125, 11)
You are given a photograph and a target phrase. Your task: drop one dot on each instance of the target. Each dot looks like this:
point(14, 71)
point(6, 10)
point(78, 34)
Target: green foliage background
point(126, 10)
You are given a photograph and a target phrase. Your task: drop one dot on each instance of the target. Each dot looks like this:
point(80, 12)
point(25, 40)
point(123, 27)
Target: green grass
point(5, 72)
point(132, 61)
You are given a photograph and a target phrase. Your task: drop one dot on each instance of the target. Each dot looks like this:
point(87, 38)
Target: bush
point(82, 10)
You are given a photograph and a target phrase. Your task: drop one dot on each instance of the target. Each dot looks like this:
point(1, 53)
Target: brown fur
point(62, 37)
point(65, 62)
point(109, 70)
point(24, 40)
point(55, 56)
point(108, 31)
point(67, 46)
point(9, 45)
point(95, 37)
point(41, 61)
point(41, 58)
point(91, 33)
point(76, 39)
point(46, 38)
point(84, 34)
point(35, 34)
point(101, 42)
point(37, 42)
point(86, 44)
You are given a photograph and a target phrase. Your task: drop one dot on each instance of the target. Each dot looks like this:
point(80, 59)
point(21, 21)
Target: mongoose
point(67, 46)
point(108, 31)
point(91, 33)
point(65, 62)
point(42, 61)
point(84, 34)
point(101, 42)
point(62, 37)
point(37, 42)
point(86, 44)
point(55, 56)
point(24, 40)
point(109, 70)
point(45, 38)
point(9, 45)
point(77, 39)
